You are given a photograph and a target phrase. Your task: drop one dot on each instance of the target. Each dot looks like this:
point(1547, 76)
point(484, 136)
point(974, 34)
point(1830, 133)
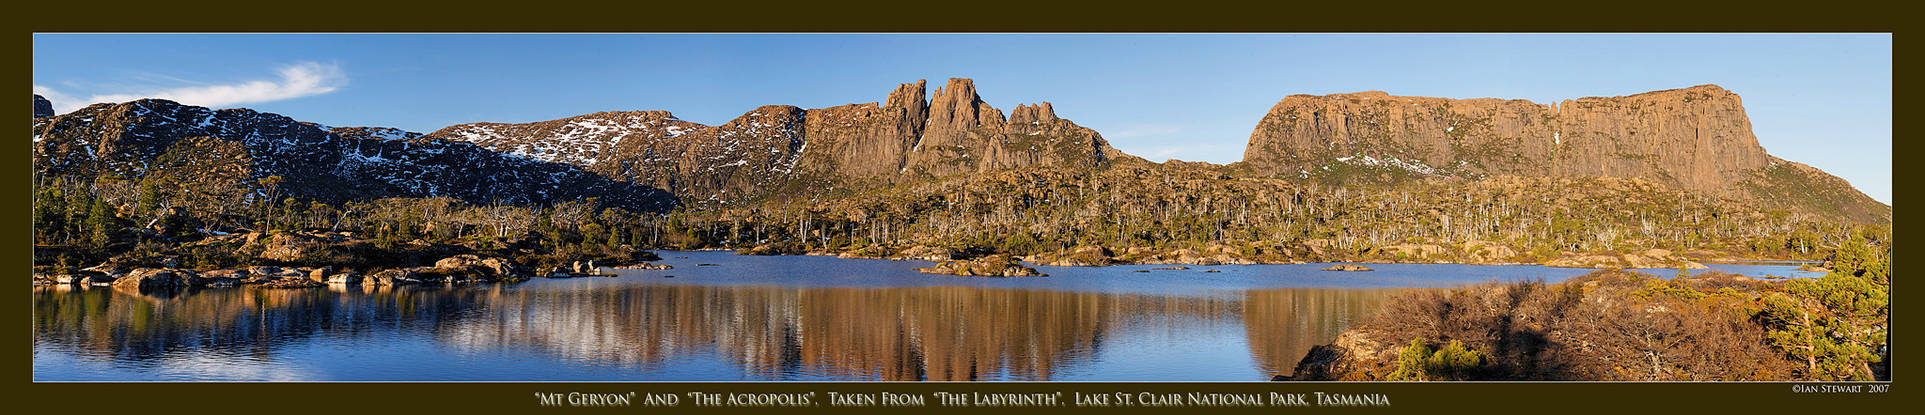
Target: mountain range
point(1695, 139)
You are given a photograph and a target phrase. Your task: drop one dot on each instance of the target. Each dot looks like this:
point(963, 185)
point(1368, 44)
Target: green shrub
point(1417, 362)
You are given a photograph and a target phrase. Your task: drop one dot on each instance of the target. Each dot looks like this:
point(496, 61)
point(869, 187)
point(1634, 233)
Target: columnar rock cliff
point(237, 151)
point(1698, 139)
point(779, 147)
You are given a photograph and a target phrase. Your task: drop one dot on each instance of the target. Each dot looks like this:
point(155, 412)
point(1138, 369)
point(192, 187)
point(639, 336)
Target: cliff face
point(231, 151)
point(773, 148)
point(1697, 139)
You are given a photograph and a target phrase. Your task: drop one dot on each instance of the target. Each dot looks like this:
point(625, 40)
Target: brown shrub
point(1607, 325)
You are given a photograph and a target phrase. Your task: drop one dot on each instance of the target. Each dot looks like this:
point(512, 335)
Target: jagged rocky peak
point(912, 97)
point(956, 106)
point(966, 134)
point(1039, 113)
point(42, 107)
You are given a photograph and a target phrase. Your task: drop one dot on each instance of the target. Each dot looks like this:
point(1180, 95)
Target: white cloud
point(296, 81)
point(62, 103)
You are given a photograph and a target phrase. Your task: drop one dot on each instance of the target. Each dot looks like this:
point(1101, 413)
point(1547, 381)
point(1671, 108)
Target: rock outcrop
point(481, 268)
point(42, 107)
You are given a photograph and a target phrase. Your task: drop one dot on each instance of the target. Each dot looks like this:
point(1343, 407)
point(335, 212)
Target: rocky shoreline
point(274, 256)
point(1315, 251)
point(310, 259)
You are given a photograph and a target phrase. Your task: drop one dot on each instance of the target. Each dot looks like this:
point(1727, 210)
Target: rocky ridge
point(236, 151)
point(778, 147)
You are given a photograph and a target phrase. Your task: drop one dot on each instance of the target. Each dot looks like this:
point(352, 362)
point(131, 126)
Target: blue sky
point(1819, 99)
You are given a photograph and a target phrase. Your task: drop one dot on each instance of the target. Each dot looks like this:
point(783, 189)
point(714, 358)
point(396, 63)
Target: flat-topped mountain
point(242, 154)
point(776, 147)
point(1697, 139)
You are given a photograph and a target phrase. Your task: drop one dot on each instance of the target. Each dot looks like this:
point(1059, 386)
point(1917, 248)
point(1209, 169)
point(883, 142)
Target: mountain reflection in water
point(563, 331)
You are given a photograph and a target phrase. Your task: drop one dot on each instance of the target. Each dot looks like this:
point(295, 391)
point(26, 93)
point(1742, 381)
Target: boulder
point(396, 276)
point(320, 274)
point(646, 265)
point(345, 278)
point(107, 269)
point(292, 283)
point(157, 278)
point(293, 247)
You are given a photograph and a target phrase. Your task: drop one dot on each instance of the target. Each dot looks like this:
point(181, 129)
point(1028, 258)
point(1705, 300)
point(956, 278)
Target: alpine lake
point(717, 316)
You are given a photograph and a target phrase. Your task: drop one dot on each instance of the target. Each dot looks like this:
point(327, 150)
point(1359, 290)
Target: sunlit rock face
point(1697, 138)
point(782, 149)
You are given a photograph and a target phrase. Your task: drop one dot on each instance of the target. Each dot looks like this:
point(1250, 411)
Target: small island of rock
point(989, 266)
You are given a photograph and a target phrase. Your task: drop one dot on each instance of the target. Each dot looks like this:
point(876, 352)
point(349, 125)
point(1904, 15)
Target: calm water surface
point(750, 318)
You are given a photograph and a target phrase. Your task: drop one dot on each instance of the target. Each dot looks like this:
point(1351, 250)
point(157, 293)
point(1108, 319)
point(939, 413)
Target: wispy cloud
point(298, 80)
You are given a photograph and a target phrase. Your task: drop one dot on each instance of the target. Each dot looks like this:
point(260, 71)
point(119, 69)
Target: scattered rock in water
point(1211, 270)
point(988, 266)
point(292, 283)
point(476, 267)
point(1347, 267)
point(320, 274)
point(397, 276)
point(1174, 268)
point(668, 276)
point(157, 278)
point(646, 265)
point(1141, 270)
point(708, 265)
